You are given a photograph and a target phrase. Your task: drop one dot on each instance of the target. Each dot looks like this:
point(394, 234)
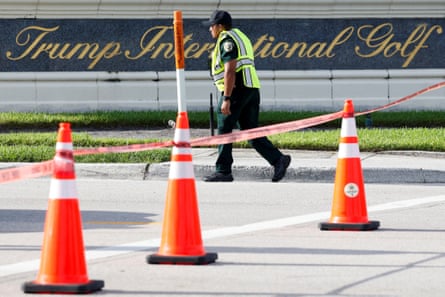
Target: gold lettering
point(168, 48)
point(43, 48)
point(34, 42)
point(380, 40)
point(27, 40)
point(318, 48)
point(87, 47)
point(191, 50)
point(391, 49)
point(34, 47)
point(194, 50)
point(109, 51)
point(258, 43)
point(57, 53)
point(265, 47)
point(373, 40)
point(148, 44)
point(411, 40)
point(295, 46)
point(279, 49)
point(341, 38)
point(264, 52)
point(199, 51)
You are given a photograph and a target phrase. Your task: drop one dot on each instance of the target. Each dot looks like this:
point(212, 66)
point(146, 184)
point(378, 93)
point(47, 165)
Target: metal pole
point(211, 113)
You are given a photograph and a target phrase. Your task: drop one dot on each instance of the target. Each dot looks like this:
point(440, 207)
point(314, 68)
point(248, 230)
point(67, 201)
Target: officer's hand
point(225, 107)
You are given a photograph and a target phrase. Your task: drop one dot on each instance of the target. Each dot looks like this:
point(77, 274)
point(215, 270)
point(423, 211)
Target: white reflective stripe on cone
point(64, 146)
point(348, 150)
point(181, 150)
point(62, 189)
point(180, 170)
point(181, 135)
point(348, 127)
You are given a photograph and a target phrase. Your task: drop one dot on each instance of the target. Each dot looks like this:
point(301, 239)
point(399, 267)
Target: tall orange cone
point(349, 204)
point(62, 263)
point(181, 241)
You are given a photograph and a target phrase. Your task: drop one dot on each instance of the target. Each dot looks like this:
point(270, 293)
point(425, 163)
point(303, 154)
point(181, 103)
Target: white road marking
point(26, 266)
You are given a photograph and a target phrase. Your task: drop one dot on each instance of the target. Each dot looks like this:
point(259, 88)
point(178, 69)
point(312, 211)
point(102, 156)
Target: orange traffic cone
point(181, 241)
point(62, 262)
point(349, 204)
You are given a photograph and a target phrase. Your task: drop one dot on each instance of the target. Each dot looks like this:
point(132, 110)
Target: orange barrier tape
point(28, 171)
point(297, 125)
point(46, 168)
point(406, 98)
point(124, 149)
point(266, 130)
point(219, 139)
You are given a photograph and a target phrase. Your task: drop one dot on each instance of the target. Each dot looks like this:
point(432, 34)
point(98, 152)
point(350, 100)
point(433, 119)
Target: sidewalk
point(306, 166)
point(388, 167)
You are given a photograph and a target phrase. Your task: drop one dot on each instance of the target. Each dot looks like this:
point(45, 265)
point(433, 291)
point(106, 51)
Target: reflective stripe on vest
point(244, 63)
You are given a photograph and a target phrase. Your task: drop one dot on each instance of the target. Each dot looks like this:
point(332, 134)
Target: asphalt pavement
point(266, 234)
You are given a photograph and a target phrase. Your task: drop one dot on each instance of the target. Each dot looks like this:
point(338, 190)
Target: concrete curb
point(307, 166)
point(310, 174)
point(159, 171)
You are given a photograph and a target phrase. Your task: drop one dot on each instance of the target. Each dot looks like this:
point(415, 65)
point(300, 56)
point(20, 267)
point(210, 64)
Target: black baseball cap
point(219, 17)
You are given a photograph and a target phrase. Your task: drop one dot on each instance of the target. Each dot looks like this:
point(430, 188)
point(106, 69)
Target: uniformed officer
point(235, 76)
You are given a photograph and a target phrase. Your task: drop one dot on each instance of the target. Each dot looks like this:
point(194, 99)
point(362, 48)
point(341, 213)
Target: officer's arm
point(229, 77)
point(229, 84)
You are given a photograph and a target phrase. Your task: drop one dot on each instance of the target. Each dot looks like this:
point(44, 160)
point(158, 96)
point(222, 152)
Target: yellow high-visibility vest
point(244, 62)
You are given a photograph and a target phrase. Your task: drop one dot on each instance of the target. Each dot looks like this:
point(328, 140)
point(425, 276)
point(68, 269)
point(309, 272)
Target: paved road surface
point(265, 234)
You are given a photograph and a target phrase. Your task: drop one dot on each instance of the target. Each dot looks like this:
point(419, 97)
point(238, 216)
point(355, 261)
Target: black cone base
point(369, 226)
point(91, 286)
point(182, 260)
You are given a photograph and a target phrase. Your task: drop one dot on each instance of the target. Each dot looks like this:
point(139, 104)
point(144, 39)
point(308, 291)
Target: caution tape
point(124, 149)
point(266, 130)
point(9, 175)
point(45, 168)
point(406, 98)
point(299, 124)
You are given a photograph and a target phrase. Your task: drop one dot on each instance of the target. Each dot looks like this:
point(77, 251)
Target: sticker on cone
point(349, 210)
point(62, 264)
point(351, 190)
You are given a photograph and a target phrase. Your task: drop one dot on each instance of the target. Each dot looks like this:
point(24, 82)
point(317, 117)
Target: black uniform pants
point(244, 108)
